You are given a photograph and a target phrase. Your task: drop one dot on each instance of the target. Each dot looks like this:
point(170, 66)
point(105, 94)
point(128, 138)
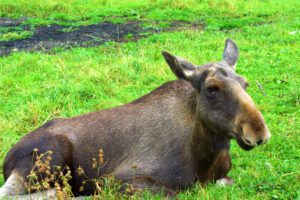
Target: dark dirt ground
point(45, 38)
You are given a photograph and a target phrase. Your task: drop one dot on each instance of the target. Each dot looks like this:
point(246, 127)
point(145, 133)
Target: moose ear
point(231, 53)
point(182, 68)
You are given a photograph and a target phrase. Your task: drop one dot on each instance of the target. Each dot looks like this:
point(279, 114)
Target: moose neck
point(206, 144)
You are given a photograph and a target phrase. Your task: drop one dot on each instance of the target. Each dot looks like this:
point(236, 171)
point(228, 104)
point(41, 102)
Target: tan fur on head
point(250, 121)
point(211, 81)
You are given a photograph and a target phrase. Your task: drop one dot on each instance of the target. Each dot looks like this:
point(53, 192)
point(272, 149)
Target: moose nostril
point(247, 141)
point(259, 142)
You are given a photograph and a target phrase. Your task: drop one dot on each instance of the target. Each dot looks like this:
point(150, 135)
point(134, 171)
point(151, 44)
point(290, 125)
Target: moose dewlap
point(172, 137)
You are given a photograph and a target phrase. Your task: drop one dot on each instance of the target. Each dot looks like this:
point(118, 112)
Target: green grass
point(36, 87)
point(83, 12)
point(15, 35)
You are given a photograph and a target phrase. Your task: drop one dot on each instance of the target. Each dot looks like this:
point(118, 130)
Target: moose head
point(222, 101)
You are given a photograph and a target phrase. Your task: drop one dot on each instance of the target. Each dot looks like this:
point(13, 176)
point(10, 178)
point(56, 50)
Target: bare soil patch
point(45, 38)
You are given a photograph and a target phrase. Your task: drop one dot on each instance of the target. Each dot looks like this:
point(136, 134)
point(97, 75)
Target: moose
point(176, 135)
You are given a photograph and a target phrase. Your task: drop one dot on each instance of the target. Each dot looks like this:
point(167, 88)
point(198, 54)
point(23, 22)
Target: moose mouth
point(241, 142)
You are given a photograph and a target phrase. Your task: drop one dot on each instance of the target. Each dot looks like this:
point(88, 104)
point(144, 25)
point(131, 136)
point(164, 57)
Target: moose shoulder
point(177, 134)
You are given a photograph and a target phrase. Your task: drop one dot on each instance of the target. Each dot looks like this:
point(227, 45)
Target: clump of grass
point(69, 29)
point(15, 35)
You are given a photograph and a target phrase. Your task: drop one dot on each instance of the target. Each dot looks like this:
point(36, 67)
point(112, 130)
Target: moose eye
point(212, 90)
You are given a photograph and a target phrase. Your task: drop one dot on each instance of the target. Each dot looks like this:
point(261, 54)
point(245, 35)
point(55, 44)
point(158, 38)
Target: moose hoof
point(225, 181)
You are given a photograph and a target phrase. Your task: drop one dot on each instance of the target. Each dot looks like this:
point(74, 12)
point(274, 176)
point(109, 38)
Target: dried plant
point(44, 176)
point(106, 186)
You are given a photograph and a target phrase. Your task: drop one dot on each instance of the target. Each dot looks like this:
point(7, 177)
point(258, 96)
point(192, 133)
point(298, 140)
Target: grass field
point(36, 86)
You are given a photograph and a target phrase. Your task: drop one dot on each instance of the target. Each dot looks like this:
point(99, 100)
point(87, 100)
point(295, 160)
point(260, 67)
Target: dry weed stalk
point(42, 177)
point(104, 185)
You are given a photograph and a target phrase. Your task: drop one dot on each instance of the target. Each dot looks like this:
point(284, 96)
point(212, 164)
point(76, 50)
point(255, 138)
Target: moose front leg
point(220, 167)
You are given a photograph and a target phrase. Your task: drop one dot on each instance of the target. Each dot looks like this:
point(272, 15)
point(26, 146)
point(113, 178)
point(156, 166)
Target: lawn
point(38, 86)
